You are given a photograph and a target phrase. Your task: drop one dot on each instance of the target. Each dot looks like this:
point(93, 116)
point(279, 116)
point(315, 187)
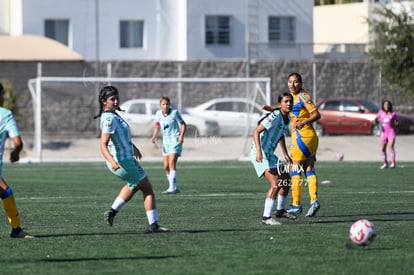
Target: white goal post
point(36, 86)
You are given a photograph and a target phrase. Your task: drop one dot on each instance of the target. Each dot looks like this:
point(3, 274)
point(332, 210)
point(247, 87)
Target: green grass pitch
point(214, 222)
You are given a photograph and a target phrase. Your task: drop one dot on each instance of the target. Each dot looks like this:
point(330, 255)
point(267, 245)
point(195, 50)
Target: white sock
point(268, 207)
point(281, 202)
point(173, 179)
point(169, 184)
point(118, 203)
point(152, 216)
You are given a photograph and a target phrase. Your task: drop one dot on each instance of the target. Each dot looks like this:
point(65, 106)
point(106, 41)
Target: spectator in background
point(389, 121)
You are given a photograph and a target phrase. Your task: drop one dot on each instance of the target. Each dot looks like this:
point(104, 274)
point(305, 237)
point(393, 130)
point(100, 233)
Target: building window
point(217, 30)
point(281, 29)
point(132, 33)
point(57, 30)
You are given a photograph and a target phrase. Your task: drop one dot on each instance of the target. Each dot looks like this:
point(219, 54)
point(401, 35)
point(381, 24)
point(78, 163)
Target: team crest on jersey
point(269, 118)
point(107, 123)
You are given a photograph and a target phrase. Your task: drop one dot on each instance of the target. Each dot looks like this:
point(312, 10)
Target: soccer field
point(214, 222)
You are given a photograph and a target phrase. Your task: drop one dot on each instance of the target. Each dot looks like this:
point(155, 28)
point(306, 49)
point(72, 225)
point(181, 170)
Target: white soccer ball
point(340, 156)
point(362, 232)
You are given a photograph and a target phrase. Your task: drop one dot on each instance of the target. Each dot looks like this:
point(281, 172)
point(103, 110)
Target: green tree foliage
point(393, 48)
point(10, 100)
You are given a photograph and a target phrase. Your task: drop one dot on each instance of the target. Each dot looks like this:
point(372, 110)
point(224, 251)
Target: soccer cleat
point(269, 221)
point(155, 228)
point(171, 192)
point(384, 166)
point(392, 165)
point(282, 213)
point(313, 209)
point(109, 216)
point(295, 209)
point(20, 233)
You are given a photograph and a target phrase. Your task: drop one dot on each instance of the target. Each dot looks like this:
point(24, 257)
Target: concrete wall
point(69, 108)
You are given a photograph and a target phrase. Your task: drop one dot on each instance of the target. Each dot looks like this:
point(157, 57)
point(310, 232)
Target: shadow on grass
point(106, 259)
point(390, 216)
point(137, 233)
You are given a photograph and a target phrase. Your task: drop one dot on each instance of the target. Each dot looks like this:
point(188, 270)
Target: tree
point(393, 47)
point(10, 100)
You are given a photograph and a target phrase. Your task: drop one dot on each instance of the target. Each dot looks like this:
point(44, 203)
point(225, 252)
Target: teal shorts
point(172, 148)
point(131, 172)
point(268, 162)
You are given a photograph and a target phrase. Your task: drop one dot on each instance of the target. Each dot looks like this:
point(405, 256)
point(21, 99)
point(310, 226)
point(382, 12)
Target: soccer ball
point(362, 232)
point(340, 156)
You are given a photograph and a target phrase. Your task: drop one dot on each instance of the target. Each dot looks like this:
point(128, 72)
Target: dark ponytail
point(279, 99)
point(104, 94)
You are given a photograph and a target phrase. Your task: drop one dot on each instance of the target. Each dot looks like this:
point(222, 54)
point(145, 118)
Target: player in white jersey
point(9, 129)
point(122, 160)
point(172, 126)
point(268, 134)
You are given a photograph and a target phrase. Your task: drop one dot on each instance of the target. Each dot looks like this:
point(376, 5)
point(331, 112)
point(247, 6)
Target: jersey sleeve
point(11, 126)
point(108, 124)
point(394, 116)
point(158, 118)
point(307, 102)
point(268, 120)
point(178, 117)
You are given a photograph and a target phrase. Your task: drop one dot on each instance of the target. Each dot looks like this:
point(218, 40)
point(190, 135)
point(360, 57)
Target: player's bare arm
point(105, 152)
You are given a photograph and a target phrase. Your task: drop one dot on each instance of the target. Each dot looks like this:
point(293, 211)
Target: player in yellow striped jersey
point(304, 145)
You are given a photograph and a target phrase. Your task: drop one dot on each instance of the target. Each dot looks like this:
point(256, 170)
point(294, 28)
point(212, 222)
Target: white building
point(178, 30)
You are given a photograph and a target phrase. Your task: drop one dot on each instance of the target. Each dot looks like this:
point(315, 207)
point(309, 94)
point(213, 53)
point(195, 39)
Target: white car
point(140, 115)
point(236, 116)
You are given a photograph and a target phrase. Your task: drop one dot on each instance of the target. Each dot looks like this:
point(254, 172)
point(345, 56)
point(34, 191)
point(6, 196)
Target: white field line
point(244, 194)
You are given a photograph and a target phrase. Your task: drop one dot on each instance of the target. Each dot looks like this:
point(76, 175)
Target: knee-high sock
point(172, 180)
point(296, 187)
point(281, 202)
point(152, 216)
point(9, 205)
point(268, 207)
point(392, 151)
point(312, 181)
point(118, 203)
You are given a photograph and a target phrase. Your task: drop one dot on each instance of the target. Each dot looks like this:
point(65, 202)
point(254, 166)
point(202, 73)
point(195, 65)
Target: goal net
point(220, 114)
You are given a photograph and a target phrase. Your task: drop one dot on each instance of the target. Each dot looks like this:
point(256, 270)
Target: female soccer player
point(8, 128)
point(388, 119)
point(304, 145)
point(269, 132)
point(122, 160)
point(173, 130)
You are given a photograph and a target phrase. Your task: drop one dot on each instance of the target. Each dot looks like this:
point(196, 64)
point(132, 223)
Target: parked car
point(353, 116)
point(235, 116)
point(140, 115)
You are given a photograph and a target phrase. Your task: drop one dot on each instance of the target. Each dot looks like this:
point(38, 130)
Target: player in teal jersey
point(9, 129)
point(268, 134)
point(172, 126)
point(122, 160)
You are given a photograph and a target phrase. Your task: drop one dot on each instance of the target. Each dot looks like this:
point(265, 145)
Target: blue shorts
point(131, 172)
point(172, 148)
point(268, 162)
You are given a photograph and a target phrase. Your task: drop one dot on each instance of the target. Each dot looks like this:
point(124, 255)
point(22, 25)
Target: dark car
point(354, 116)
